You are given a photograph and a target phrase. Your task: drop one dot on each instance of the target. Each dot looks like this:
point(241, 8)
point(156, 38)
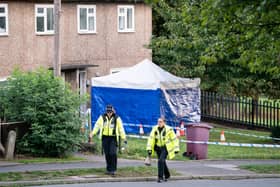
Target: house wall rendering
point(101, 43)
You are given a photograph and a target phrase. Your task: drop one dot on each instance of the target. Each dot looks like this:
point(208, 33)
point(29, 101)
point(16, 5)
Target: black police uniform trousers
point(109, 145)
point(162, 167)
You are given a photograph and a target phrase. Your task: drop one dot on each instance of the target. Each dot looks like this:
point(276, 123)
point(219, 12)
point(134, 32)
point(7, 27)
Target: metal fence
point(240, 110)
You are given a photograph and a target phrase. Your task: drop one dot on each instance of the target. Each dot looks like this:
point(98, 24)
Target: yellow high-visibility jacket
point(107, 127)
point(166, 137)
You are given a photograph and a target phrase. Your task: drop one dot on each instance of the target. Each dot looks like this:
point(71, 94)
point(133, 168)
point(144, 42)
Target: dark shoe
point(166, 178)
point(112, 173)
point(159, 180)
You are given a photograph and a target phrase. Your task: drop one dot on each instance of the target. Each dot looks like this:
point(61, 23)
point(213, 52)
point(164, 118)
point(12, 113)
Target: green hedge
point(50, 106)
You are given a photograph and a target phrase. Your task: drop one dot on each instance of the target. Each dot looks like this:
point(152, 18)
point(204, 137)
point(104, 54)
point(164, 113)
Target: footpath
point(192, 169)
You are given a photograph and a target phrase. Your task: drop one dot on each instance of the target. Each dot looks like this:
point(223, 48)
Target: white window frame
point(86, 31)
point(44, 6)
point(125, 7)
point(2, 79)
point(5, 6)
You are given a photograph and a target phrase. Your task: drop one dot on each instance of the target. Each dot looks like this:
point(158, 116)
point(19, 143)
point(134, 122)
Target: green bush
point(2, 100)
point(52, 109)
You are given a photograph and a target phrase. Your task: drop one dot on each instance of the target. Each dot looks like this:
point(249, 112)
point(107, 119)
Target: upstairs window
point(126, 18)
point(3, 19)
point(44, 15)
point(86, 18)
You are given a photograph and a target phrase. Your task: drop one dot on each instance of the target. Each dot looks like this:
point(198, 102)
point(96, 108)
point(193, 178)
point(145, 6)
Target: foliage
point(232, 45)
point(2, 96)
point(50, 106)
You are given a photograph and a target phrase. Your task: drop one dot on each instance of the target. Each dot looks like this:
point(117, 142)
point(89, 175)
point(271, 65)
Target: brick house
point(97, 36)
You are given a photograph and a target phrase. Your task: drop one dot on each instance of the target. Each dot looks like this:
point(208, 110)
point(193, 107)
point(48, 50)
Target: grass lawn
point(137, 147)
point(215, 135)
point(226, 152)
point(142, 171)
point(266, 169)
point(29, 160)
point(137, 150)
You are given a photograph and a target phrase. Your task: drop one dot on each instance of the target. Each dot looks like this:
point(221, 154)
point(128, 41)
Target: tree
point(52, 109)
point(233, 45)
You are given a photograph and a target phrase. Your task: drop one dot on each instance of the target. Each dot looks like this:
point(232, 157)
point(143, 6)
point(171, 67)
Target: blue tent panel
point(182, 104)
point(134, 106)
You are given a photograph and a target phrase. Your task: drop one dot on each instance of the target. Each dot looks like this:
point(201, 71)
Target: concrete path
point(192, 169)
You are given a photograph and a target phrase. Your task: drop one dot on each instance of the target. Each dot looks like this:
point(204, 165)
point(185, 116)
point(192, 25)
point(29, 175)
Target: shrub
point(52, 109)
point(2, 100)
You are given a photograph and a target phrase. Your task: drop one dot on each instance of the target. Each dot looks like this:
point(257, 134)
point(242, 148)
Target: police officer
point(110, 129)
point(164, 142)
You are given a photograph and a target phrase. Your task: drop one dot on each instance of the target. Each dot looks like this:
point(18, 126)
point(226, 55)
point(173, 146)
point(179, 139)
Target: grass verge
point(226, 152)
point(265, 169)
point(30, 160)
point(137, 147)
point(215, 135)
point(142, 171)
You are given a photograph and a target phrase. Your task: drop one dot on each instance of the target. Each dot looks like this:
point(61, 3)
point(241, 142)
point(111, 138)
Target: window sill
point(126, 31)
point(4, 34)
point(85, 33)
point(44, 33)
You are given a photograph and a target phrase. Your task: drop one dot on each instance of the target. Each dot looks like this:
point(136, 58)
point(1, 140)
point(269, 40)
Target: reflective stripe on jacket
point(107, 128)
point(166, 137)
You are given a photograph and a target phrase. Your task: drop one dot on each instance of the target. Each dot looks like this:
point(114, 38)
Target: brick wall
point(107, 48)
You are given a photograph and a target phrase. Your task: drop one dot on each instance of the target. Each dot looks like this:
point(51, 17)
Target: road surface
point(184, 183)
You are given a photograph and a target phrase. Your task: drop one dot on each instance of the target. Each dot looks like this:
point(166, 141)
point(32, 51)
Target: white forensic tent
point(142, 93)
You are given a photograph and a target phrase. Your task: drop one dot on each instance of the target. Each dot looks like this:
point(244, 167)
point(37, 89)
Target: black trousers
point(162, 167)
point(109, 145)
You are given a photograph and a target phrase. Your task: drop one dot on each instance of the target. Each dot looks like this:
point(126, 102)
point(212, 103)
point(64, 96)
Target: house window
point(126, 18)
point(44, 15)
point(86, 15)
point(3, 19)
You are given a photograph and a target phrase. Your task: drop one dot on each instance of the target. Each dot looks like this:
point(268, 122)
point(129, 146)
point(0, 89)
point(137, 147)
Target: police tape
point(229, 132)
point(145, 126)
point(134, 125)
point(234, 144)
point(137, 136)
point(244, 134)
point(218, 143)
